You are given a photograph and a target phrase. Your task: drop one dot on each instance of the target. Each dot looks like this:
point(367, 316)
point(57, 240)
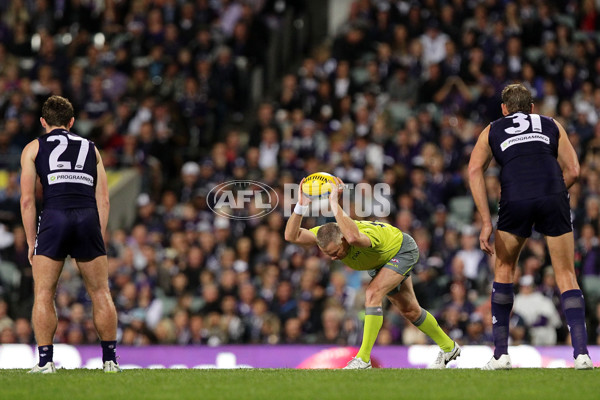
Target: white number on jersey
point(521, 122)
point(54, 161)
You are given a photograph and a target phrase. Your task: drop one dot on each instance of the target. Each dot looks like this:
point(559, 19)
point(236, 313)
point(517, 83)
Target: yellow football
point(318, 185)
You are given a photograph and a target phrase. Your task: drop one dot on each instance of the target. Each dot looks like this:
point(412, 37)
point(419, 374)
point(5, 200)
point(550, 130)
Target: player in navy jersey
point(71, 223)
point(538, 165)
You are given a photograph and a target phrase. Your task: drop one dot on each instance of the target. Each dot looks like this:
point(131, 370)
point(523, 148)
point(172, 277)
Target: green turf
point(286, 384)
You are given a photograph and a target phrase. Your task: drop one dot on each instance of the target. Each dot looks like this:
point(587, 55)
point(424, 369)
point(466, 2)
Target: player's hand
point(30, 255)
point(303, 200)
point(484, 239)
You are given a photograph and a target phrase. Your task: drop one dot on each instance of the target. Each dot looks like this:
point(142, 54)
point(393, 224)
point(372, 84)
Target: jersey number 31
point(521, 123)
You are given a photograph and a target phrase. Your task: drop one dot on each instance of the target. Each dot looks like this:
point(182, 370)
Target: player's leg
point(562, 250)
point(95, 278)
point(561, 253)
point(515, 221)
point(89, 252)
point(47, 264)
point(385, 281)
point(554, 221)
point(405, 300)
point(508, 247)
point(46, 272)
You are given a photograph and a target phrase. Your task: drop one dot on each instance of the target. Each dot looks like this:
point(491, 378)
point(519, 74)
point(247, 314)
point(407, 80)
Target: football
point(318, 185)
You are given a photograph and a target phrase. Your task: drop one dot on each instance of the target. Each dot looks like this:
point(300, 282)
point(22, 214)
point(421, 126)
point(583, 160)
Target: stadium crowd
point(398, 95)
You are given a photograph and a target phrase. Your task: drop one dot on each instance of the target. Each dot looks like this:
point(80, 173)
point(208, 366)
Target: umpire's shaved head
point(517, 97)
point(329, 233)
point(57, 111)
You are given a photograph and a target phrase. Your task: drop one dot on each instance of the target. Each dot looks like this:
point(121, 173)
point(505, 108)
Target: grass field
point(286, 384)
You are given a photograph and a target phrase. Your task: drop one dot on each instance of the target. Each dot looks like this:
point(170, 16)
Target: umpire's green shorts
point(403, 262)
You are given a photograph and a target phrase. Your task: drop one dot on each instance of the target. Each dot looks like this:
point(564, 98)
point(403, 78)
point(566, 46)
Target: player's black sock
point(109, 350)
point(502, 303)
point(46, 354)
point(574, 308)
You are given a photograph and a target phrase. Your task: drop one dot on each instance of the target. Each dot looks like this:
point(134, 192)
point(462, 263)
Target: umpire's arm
point(349, 229)
point(297, 235)
point(480, 160)
point(293, 232)
point(567, 157)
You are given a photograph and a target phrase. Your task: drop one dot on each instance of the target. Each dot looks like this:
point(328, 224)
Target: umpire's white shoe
point(358, 363)
point(443, 357)
point(111, 367)
point(49, 368)
point(502, 363)
point(583, 361)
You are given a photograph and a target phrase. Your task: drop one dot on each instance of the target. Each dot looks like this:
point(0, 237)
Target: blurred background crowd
point(194, 93)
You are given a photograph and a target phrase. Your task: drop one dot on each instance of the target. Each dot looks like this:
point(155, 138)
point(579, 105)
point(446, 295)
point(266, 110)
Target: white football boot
point(583, 361)
point(443, 357)
point(49, 368)
point(502, 363)
point(111, 367)
point(358, 363)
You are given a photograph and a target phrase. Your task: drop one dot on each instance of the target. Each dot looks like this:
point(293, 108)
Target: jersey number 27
point(54, 161)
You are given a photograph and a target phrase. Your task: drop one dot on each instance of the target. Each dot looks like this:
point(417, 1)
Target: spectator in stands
point(538, 312)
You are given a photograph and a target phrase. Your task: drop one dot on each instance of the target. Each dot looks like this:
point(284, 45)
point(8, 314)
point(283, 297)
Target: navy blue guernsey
point(66, 165)
point(526, 147)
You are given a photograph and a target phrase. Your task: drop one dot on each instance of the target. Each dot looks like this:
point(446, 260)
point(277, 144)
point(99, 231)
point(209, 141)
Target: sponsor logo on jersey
point(530, 137)
point(70, 177)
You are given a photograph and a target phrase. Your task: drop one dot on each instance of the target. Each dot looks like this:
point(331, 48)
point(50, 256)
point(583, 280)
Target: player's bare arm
point(349, 229)
point(294, 233)
point(28, 181)
point(102, 197)
point(567, 157)
point(480, 160)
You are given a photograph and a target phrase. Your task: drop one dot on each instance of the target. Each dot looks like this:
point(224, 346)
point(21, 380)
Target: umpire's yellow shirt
point(385, 244)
